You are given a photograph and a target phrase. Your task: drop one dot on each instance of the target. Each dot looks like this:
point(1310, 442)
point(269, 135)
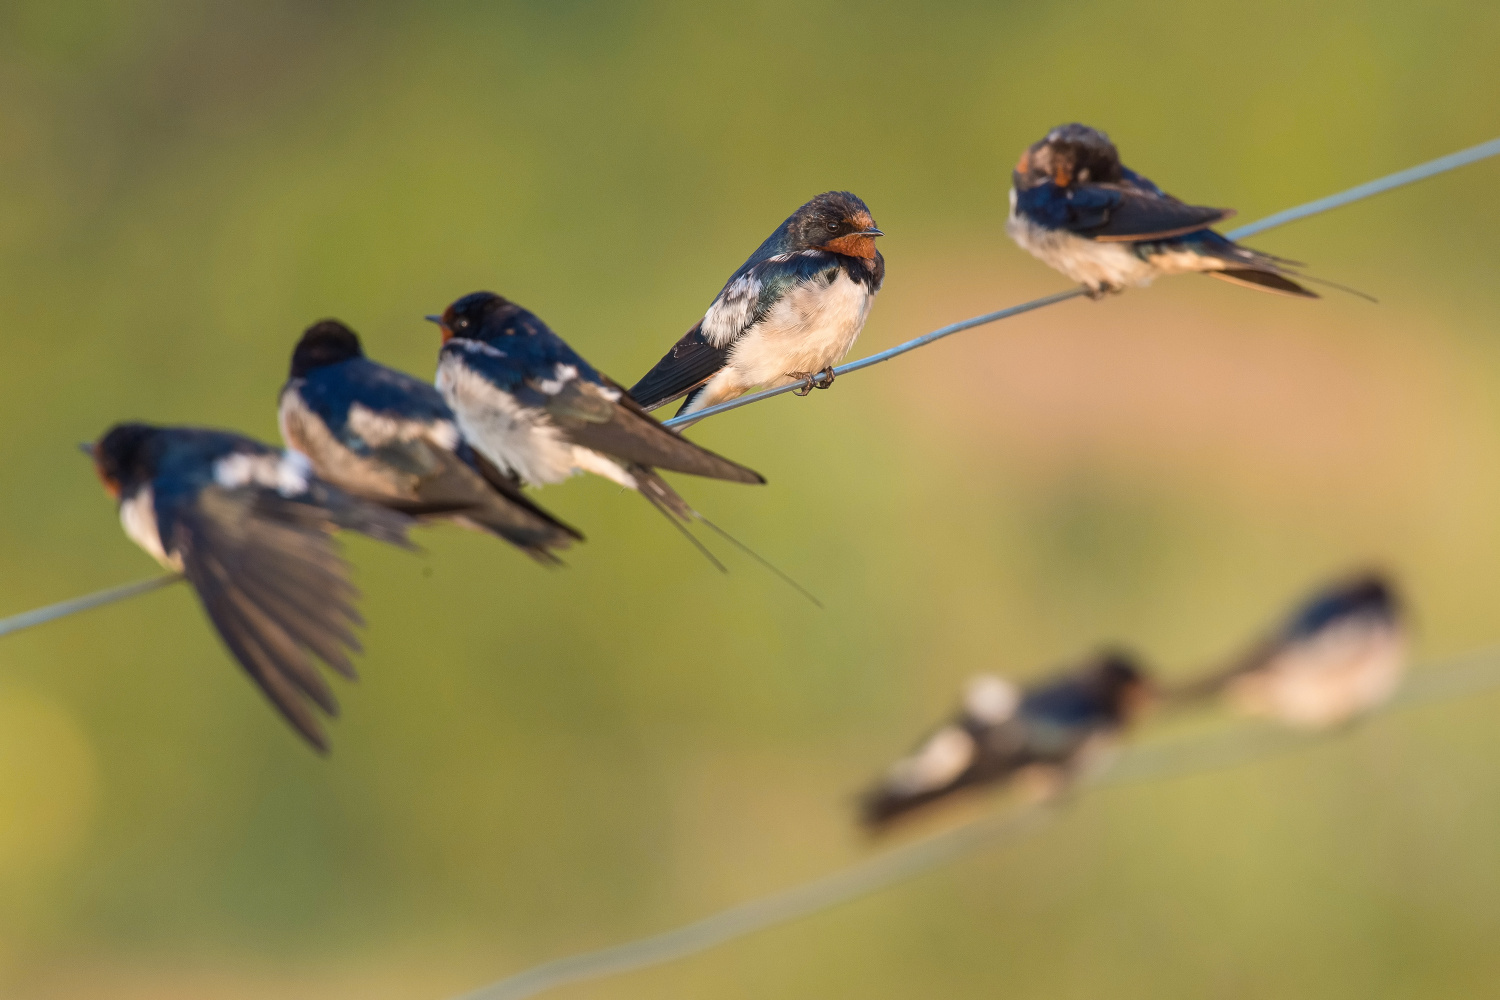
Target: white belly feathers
point(1088, 262)
point(810, 328)
point(138, 518)
point(514, 438)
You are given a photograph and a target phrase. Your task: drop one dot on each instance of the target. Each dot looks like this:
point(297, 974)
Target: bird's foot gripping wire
point(812, 380)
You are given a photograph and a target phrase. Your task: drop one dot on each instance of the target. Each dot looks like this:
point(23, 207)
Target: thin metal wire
point(1440, 165)
point(62, 609)
point(1402, 177)
point(1173, 758)
point(1432, 168)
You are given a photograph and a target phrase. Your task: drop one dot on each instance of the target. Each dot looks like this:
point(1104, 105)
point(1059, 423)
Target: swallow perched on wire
point(531, 405)
point(1341, 653)
point(1054, 729)
point(789, 314)
point(1075, 207)
point(388, 437)
point(251, 528)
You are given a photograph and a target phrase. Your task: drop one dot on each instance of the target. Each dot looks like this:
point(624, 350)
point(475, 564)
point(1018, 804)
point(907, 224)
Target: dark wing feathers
point(453, 486)
point(270, 579)
point(691, 362)
point(627, 431)
point(1114, 212)
point(1140, 216)
point(1266, 281)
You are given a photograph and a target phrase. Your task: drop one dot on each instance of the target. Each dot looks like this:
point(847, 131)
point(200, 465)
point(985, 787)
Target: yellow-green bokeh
point(538, 762)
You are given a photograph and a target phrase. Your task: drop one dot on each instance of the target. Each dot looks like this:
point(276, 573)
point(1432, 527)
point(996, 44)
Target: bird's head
point(327, 342)
point(1365, 596)
point(1122, 682)
point(1068, 155)
point(468, 316)
point(835, 221)
point(121, 457)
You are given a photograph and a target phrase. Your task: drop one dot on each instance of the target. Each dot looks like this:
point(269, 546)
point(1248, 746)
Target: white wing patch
point(991, 699)
point(286, 473)
point(730, 313)
point(942, 758)
point(378, 429)
point(561, 375)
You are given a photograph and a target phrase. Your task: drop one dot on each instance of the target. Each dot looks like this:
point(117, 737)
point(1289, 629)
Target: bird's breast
point(809, 328)
point(517, 438)
point(138, 518)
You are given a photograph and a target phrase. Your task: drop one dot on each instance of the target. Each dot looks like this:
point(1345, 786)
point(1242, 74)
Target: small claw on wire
point(809, 382)
point(824, 378)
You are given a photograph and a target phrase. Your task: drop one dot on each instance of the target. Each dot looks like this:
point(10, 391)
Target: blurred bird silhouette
point(388, 437)
point(1052, 732)
point(251, 528)
point(1075, 207)
point(789, 314)
point(1341, 653)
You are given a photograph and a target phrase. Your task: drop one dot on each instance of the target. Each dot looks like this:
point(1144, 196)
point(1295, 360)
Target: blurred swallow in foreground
point(1338, 655)
point(535, 408)
point(251, 528)
point(1075, 207)
point(789, 314)
point(388, 437)
point(1053, 731)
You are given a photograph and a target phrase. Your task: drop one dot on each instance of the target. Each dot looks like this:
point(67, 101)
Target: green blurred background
point(541, 762)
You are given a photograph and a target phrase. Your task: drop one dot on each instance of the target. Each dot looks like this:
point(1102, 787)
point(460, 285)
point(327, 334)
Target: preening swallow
point(251, 528)
point(1341, 653)
point(1075, 207)
point(387, 437)
point(531, 405)
point(789, 314)
point(1057, 727)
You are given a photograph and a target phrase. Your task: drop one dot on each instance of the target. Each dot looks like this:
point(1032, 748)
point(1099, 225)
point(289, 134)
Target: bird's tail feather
point(678, 511)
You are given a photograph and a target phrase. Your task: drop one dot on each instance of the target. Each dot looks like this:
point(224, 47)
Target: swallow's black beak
point(872, 231)
point(87, 447)
point(434, 319)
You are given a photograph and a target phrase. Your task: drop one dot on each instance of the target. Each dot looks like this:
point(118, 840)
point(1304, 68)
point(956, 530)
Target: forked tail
point(675, 509)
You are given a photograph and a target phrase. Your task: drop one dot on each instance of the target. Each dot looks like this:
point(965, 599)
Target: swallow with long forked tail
point(1075, 207)
point(386, 436)
point(535, 408)
point(789, 314)
point(251, 528)
point(1053, 729)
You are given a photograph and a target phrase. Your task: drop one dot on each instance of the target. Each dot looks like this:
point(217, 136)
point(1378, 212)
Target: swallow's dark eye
point(460, 324)
point(833, 227)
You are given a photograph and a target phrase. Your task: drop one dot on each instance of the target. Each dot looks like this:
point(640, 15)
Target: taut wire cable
point(1432, 168)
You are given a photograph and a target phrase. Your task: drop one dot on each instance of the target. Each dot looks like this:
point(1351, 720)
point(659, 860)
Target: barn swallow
point(1075, 207)
point(251, 528)
point(1054, 728)
point(531, 405)
point(1339, 654)
point(388, 437)
point(789, 314)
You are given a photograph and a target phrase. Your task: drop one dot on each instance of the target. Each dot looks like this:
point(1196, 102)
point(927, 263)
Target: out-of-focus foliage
point(537, 762)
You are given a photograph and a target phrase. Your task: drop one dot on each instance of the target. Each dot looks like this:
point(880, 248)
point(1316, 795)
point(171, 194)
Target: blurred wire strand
point(1401, 178)
point(1172, 758)
point(62, 609)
